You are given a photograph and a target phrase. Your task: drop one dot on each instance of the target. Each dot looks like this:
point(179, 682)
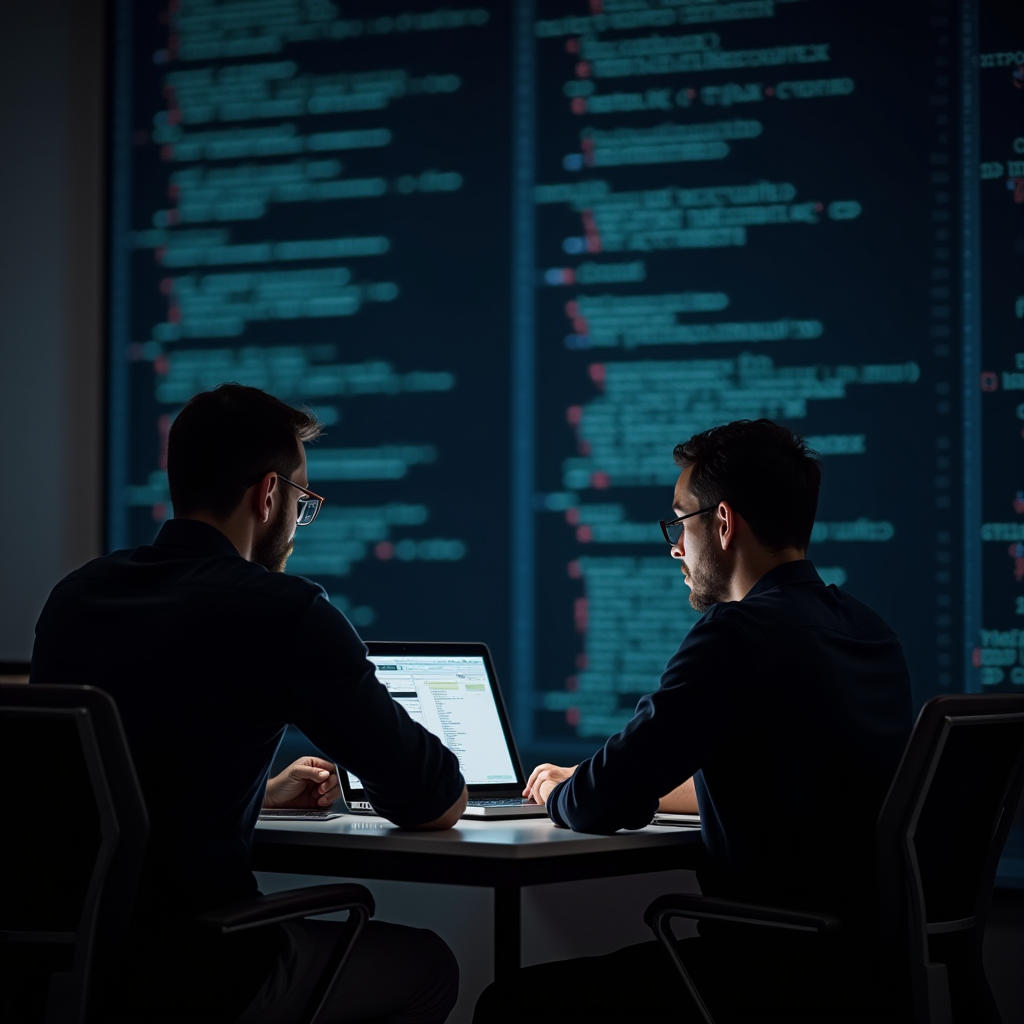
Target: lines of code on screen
point(743, 210)
point(997, 657)
point(310, 215)
point(718, 210)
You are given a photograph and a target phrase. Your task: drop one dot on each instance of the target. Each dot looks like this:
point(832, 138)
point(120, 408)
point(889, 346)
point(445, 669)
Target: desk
point(503, 856)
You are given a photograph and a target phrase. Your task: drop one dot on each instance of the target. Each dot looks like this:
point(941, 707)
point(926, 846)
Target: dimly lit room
point(513, 510)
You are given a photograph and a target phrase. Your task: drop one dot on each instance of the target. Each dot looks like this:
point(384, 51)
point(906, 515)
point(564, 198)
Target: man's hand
point(543, 779)
point(308, 782)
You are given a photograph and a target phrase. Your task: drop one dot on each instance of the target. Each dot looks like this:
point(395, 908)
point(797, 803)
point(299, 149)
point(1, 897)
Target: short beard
point(709, 581)
point(272, 550)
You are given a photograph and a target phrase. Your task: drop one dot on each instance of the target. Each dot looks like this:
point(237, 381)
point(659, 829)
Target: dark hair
point(226, 439)
point(764, 471)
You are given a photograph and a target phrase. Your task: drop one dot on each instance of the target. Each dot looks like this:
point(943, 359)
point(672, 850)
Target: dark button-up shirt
point(790, 709)
point(209, 657)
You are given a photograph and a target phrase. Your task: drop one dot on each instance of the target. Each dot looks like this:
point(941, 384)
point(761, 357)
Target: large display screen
point(512, 252)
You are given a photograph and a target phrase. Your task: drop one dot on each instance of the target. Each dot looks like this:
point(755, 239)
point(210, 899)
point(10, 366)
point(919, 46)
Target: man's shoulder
point(733, 617)
point(219, 576)
point(99, 568)
point(785, 606)
point(719, 633)
point(253, 579)
point(236, 581)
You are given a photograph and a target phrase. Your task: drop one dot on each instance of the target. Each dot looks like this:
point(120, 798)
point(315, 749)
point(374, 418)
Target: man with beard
point(210, 650)
point(782, 718)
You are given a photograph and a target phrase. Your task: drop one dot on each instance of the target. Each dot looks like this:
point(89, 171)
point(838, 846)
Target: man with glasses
point(781, 718)
point(210, 650)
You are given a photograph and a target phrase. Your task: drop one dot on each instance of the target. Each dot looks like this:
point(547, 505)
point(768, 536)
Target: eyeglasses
point(673, 528)
point(309, 503)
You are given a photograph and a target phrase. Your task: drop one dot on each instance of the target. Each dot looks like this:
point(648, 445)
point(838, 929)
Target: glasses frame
point(303, 502)
point(666, 523)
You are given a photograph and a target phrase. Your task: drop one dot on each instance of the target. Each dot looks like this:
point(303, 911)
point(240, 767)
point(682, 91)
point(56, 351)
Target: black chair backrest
point(945, 819)
point(75, 842)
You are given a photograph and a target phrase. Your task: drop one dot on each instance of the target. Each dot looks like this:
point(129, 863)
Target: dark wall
point(51, 286)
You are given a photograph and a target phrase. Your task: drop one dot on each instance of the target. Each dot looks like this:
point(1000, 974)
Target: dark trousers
point(393, 974)
point(741, 980)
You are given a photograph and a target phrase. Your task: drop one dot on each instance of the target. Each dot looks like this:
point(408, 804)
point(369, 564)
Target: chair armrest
point(709, 908)
point(287, 906)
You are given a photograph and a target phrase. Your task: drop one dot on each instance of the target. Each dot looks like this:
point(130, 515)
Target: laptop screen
point(452, 697)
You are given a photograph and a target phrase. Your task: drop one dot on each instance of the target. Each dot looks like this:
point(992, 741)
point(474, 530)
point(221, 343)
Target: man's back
point(792, 707)
point(210, 651)
point(821, 711)
point(208, 657)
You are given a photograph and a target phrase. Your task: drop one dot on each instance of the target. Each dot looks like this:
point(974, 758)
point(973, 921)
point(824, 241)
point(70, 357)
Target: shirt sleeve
point(410, 777)
point(707, 699)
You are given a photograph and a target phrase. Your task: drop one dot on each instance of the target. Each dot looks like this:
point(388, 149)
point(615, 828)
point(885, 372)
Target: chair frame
point(293, 905)
point(664, 909)
point(68, 990)
point(111, 892)
point(903, 914)
point(901, 894)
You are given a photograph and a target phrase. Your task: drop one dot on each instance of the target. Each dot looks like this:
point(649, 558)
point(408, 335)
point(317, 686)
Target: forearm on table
point(682, 800)
point(446, 820)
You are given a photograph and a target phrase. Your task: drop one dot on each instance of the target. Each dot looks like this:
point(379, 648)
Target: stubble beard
point(275, 546)
point(709, 581)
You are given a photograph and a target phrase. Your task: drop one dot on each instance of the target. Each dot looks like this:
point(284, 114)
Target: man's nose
point(677, 549)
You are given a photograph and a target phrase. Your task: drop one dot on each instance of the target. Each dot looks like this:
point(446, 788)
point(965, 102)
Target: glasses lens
point(308, 508)
point(671, 531)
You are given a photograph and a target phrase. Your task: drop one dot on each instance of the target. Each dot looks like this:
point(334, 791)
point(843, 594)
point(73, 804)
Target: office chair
point(72, 862)
point(938, 839)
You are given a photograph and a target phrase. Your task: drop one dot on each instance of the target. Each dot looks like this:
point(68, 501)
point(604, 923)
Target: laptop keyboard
point(513, 802)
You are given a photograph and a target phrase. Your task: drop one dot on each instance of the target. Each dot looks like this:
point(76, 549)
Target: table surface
point(522, 839)
point(501, 855)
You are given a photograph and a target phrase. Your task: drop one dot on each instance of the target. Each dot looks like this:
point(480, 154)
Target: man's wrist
point(268, 800)
point(551, 803)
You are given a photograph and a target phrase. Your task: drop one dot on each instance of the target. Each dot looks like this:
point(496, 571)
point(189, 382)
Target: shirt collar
point(786, 575)
point(191, 533)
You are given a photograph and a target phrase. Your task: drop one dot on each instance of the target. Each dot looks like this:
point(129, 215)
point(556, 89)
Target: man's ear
point(264, 495)
point(725, 525)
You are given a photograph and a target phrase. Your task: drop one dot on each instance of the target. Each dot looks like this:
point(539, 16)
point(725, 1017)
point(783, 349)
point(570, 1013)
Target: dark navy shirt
point(208, 657)
point(790, 709)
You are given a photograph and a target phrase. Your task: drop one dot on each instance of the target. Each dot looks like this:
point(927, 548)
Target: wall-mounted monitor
point(512, 252)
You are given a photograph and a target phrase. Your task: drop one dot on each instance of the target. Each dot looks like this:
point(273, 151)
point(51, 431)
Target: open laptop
point(451, 689)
